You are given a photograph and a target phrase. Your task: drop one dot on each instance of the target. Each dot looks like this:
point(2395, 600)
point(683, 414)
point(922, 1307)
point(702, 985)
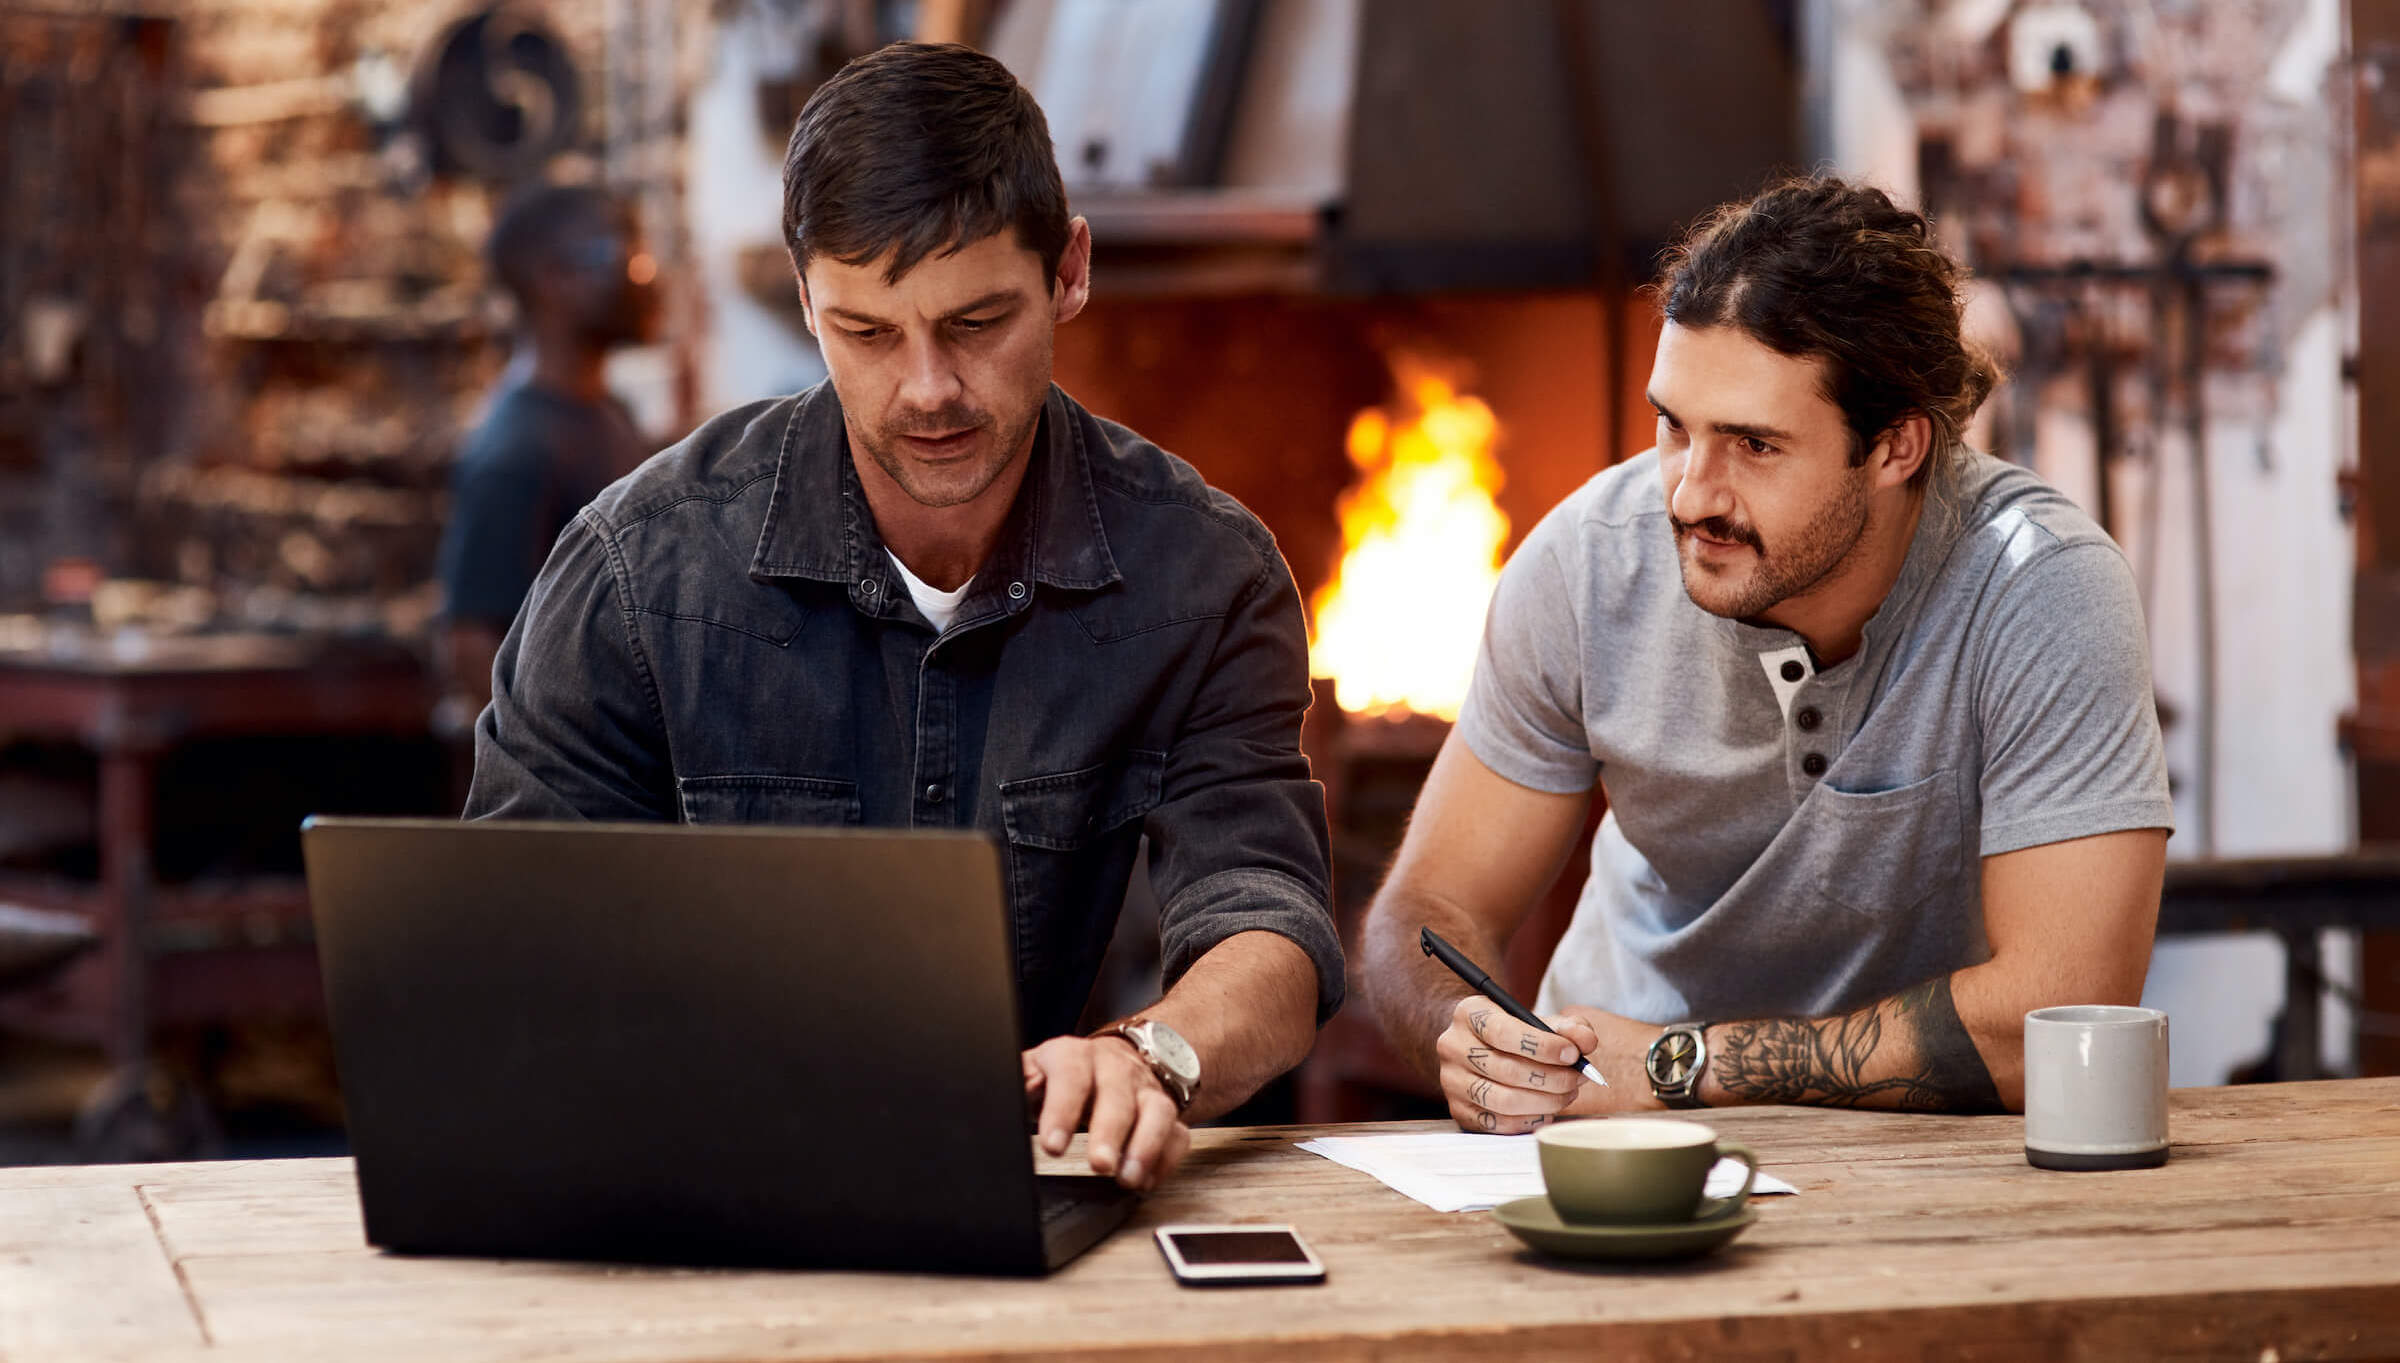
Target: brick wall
point(325, 325)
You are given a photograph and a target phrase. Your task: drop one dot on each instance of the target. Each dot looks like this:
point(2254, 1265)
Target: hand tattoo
point(1828, 1060)
point(1530, 1045)
point(1480, 1092)
point(1534, 1079)
point(1486, 1120)
point(1475, 1021)
point(1476, 1055)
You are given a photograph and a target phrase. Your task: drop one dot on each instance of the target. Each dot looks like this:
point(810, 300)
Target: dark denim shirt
point(721, 638)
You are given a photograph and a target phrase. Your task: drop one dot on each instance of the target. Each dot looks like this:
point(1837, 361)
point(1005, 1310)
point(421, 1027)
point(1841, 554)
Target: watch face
point(1672, 1057)
point(1174, 1052)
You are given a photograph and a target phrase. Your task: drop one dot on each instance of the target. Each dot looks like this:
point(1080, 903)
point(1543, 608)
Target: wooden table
point(2273, 1233)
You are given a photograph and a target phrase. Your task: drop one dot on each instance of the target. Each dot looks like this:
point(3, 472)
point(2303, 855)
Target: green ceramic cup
point(1637, 1171)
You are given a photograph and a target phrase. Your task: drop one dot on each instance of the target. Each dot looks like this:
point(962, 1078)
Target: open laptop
point(673, 1044)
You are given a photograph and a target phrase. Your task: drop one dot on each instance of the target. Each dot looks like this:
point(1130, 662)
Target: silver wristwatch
point(1675, 1063)
point(1171, 1057)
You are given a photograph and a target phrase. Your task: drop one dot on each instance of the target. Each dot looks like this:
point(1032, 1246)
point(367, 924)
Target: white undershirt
point(935, 605)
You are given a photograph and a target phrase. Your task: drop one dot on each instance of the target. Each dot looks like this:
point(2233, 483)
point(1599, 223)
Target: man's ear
point(1073, 286)
point(1901, 450)
point(808, 310)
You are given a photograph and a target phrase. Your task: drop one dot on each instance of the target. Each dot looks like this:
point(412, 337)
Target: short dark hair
point(1816, 267)
point(919, 148)
point(537, 225)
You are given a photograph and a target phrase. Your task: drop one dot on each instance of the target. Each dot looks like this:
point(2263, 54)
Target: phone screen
point(1238, 1247)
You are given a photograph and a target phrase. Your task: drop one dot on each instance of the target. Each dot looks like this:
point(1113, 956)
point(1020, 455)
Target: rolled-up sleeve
point(1238, 841)
point(574, 730)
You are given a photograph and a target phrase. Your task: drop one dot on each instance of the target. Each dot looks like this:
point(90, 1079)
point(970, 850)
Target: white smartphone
point(1224, 1255)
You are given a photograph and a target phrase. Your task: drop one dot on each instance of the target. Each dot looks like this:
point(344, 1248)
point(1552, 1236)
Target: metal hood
point(1380, 146)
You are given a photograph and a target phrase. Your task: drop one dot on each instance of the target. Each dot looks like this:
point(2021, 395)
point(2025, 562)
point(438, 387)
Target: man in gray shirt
point(1872, 713)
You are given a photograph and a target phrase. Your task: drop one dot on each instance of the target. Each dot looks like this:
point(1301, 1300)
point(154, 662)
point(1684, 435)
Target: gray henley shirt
point(1782, 840)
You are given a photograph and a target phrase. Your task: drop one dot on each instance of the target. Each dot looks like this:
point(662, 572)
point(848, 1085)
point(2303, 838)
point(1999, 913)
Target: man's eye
point(975, 323)
point(1756, 446)
point(864, 333)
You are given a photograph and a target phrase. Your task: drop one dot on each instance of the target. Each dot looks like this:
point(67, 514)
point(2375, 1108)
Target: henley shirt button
point(1016, 591)
point(1793, 671)
point(1813, 764)
point(1807, 719)
point(933, 794)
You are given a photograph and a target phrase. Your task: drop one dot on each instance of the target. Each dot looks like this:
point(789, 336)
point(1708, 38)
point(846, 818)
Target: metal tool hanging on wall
point(496, 96)
point(2182, 202)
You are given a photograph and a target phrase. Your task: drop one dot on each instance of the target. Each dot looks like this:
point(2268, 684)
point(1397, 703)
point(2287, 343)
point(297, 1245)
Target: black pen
point(1484, 984)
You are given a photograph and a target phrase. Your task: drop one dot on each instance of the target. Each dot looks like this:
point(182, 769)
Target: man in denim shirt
point(934, 591)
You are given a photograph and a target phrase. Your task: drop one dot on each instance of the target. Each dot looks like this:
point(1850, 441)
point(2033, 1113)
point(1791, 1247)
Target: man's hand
point(1137, 1135)
point(1504, 1077)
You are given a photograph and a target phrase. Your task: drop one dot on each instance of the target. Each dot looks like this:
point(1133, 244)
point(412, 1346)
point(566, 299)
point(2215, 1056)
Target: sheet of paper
point(1459, 1171)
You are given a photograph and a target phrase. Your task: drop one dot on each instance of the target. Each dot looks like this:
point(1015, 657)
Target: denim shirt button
point(933, 794)
point(1016, 591)
point(866, 586)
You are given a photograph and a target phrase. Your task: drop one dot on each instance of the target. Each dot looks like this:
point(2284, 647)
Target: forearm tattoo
point(1909, 1051)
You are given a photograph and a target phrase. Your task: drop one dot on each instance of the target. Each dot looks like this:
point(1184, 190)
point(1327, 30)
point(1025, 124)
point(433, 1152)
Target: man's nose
point(1700, 491)
point(929, 381)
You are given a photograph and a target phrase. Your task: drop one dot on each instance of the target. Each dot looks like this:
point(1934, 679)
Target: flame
point(1397, 627)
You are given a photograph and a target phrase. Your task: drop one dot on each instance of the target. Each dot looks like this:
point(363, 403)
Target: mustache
point(1720, 528)
point(940, 421)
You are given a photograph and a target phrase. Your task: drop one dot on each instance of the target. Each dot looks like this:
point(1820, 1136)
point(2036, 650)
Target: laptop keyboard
point(1077, 1210)
point(1063, 1196)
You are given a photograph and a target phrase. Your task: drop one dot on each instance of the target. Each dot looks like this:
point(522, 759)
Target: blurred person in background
point(553, 434)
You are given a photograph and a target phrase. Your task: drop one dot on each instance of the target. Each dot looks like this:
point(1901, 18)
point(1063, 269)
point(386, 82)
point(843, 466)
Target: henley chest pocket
point(1063, 812)
point(1885, 851)
point(808, 800)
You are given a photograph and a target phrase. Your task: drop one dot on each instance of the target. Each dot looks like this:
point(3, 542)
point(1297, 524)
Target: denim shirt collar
point(819, 526)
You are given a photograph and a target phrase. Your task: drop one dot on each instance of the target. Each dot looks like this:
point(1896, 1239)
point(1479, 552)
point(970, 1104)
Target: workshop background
point(1374, 266)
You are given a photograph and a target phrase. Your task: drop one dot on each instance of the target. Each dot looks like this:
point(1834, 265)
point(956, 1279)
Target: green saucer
point(1534, 1221)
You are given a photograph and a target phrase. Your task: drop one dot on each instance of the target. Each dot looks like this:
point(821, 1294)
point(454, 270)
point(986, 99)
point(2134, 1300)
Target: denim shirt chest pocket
point(806, 800)
point(1050, 820)
point(1883, 852)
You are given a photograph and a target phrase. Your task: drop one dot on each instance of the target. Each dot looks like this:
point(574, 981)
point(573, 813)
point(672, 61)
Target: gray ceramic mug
point(2095, 1087)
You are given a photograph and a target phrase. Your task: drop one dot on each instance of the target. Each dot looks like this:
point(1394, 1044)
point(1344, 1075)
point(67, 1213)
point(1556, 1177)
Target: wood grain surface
point(2272, 1234)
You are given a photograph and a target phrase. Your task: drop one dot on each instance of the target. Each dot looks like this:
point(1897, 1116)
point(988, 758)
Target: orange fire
point(1397, 627)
